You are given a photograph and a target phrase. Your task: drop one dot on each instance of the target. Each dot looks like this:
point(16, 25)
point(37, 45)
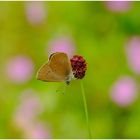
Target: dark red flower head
point(79, 66)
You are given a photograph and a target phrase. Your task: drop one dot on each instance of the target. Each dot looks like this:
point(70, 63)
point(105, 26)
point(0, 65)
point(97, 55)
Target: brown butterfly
point(57, 69)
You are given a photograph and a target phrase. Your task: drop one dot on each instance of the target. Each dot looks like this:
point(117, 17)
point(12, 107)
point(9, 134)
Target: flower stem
point(86, 110)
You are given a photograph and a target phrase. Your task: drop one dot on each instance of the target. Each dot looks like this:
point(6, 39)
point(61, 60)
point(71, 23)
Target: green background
point(99, 35)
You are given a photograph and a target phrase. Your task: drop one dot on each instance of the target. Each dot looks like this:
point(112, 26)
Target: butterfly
point(57, 69)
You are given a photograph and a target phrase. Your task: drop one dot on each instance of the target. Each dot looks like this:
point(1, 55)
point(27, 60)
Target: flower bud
point(79, 66)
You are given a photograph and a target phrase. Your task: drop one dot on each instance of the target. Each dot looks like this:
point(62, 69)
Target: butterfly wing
point(45, 74)
point(57, 69)
point(60, 65)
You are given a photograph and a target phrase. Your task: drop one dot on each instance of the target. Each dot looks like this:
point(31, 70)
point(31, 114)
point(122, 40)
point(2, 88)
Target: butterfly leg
point(61, 89)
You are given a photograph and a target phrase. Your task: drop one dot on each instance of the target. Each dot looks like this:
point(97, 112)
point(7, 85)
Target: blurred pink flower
point(25, 116)
point(35, 12)
point(37, 131)
point(133, 54)
point(19, 69)
point(118, 6)
point(63, 44)
point(30, 106)
point(124, 91)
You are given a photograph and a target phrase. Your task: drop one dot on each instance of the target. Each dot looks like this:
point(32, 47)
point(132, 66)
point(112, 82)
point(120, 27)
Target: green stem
point(86, 110)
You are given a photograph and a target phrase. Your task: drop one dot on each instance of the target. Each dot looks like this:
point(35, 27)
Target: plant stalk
point(86, 110)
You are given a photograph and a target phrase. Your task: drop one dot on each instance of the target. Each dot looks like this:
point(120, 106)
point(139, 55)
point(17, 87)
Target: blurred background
point(106, 34)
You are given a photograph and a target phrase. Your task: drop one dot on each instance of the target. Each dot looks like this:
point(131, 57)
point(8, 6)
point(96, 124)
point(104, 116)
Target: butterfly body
point(57, 69)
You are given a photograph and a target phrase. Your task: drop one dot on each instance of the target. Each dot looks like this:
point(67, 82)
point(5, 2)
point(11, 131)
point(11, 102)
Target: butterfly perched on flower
point(60, 68)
